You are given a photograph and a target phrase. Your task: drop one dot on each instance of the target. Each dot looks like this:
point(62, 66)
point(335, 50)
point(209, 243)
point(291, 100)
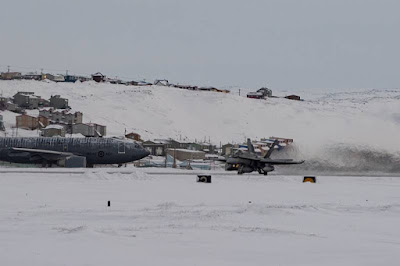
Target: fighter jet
point(48, 151)
point(247, 162)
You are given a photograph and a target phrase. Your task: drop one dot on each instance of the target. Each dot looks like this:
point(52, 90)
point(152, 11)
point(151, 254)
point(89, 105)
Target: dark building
point(255, 95)
point(58, 103)
point(33, 76)
point(155, 148)
point(265, 92)
point(98, 77)
point(70, 78)
point(27, 100)
point(293, 97)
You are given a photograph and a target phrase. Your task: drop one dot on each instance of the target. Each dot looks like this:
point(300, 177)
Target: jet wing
point(249, 156)
point(46, 154)
point(280, 161)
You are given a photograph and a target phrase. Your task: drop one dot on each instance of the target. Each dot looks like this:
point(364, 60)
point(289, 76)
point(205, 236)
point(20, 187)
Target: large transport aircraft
point(56, 150)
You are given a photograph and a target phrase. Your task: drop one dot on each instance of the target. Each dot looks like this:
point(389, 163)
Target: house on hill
point(185, 87)
point(55, 78)
point(32, 76)
point(134, 136)
point(10, 75)
point(65, 116)
point(89, 129)
point(141, 83)
point(293, 97)
point(265, 92)
point(27, 100)
point(161, 82)
point(58, 102)
point(53, 131)
point(72, 78)
point(255, 95)
point(30, 122)
point(98, 77)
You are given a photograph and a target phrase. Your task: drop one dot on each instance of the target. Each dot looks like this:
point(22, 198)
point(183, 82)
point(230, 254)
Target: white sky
point(279, 43)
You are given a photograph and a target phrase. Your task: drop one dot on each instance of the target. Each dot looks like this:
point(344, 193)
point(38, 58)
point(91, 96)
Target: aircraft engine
point(268, 168)
point(231, 167)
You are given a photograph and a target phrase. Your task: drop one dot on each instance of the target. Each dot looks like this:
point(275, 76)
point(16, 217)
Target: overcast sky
point(279, 43)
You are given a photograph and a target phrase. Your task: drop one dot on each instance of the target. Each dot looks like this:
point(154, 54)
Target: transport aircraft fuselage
point(51, 150)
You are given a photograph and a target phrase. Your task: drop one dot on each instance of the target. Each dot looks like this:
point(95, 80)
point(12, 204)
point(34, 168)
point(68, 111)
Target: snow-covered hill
point(366, 120)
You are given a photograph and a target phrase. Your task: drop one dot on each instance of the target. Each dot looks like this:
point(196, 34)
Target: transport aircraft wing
point(38, 154)
point(36, 151)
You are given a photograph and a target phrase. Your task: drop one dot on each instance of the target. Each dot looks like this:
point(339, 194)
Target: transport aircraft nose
point(144, 153)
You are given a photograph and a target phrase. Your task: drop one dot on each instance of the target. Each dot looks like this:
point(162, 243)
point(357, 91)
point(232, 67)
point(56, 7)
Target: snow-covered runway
point(169, 219)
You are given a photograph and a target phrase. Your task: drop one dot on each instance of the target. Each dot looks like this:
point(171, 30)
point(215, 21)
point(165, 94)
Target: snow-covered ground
point(348, 130)
point(60, 217)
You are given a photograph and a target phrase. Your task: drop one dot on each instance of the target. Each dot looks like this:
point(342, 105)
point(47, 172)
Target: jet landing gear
point(240, 170)
point(262, 172)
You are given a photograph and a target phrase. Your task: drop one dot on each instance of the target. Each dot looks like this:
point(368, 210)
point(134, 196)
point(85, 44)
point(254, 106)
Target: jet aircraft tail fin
point(271, 149)
point(250, 146)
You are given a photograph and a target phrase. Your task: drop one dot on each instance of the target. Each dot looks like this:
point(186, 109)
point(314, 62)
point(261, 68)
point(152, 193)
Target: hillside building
point(134, 136)
point(53, 131)
point(161, 82)
point(293, 97)
point(57, 102)
point(10, 75)
point(62, 116)
point(30, 122)
point(72, 78)
point(32, 76)
point(27, 100)
point(98, 77)
point(89, 129)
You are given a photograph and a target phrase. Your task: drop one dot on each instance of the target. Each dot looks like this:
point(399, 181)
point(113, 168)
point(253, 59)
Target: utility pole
point(239, 92)
point(8, 69)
